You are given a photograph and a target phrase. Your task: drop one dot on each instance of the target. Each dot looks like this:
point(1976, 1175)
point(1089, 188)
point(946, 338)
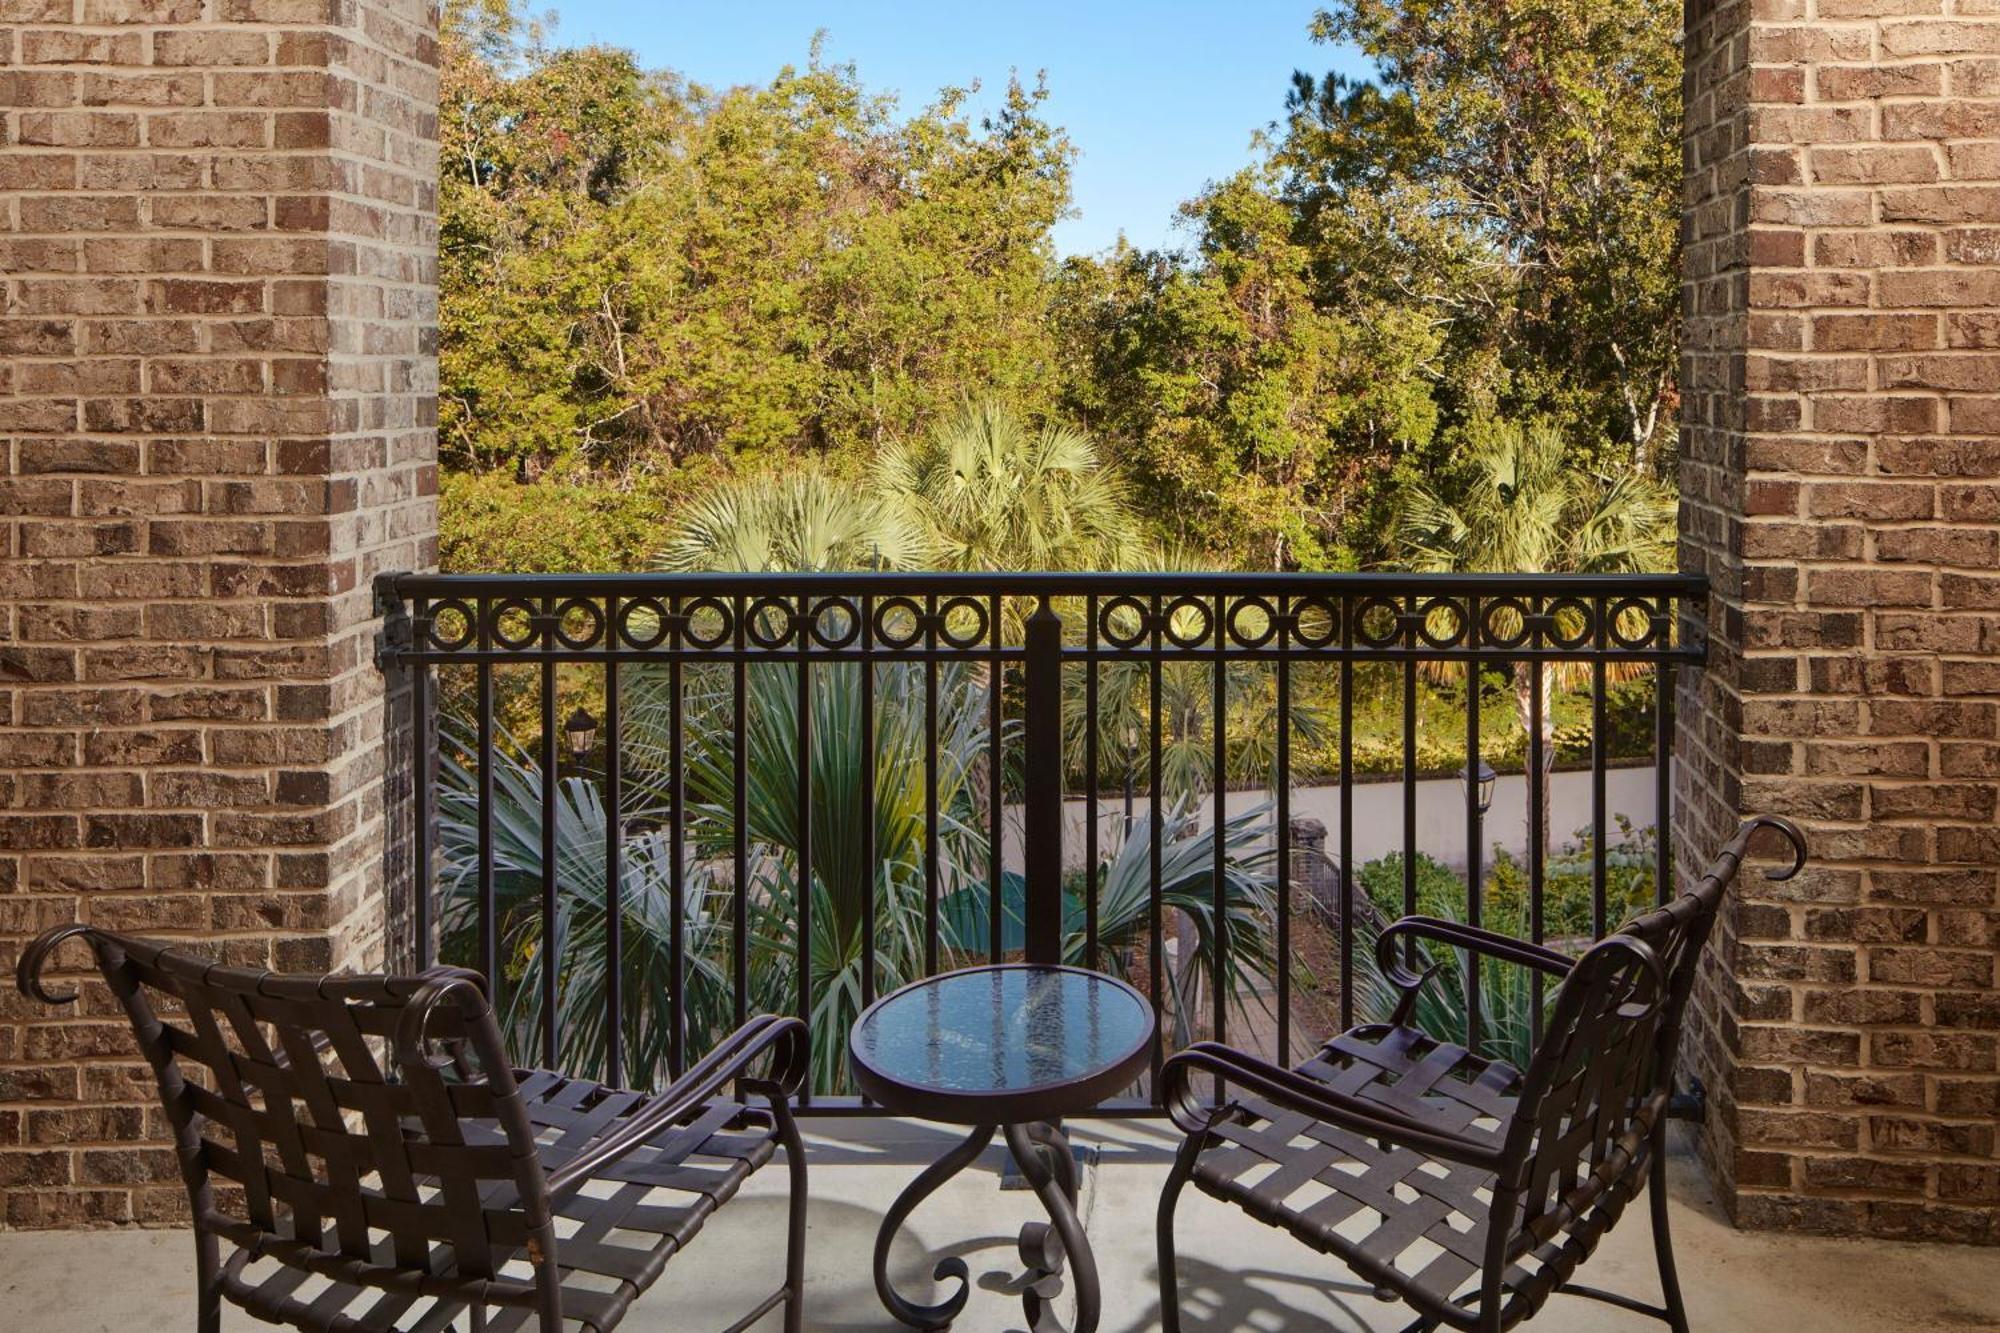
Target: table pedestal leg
point(1044, 1157)
point(933, 1177)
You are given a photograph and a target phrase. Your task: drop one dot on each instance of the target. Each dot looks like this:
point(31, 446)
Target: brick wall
point(218, 246)
point(1840, 451)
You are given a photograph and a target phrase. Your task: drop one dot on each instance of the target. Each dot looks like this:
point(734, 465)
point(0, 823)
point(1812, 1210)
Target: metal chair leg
point(795, 1222)
point(207, 1283)
point(1170, 1285)
point(1663, 1241)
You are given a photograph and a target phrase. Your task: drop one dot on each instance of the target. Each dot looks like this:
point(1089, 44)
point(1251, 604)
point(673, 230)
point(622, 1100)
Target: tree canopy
point(654, 291)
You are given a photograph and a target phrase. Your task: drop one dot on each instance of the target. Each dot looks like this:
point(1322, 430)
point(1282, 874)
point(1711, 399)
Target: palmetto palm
point(583, 979)
point(993, 493)
point(1187, 884)
point(1522, 507)
point(841, 761)
point(841, 881)
point(800, 519)
point(990, 493)
point(981, 494)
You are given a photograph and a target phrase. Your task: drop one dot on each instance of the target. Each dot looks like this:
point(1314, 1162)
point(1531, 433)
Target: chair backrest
point(1598, 1086)
point(311, 1111)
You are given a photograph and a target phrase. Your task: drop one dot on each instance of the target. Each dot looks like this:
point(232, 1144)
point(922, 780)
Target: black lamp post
point(1483, 797)
point(581, 733)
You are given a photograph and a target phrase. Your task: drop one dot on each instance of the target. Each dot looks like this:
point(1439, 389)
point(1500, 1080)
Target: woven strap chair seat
point(618, 1230)
point(1398, 1217)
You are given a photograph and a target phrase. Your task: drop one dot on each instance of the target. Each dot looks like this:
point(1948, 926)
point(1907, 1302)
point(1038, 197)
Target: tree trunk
point(1524, 684)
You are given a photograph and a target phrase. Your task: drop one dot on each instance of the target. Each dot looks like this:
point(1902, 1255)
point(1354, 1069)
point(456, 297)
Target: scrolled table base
point(1043, 1153)
point(926, 1184)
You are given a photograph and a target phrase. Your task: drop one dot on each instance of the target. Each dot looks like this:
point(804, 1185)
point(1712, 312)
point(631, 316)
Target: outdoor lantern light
point(581, 731)
point(1485, 780)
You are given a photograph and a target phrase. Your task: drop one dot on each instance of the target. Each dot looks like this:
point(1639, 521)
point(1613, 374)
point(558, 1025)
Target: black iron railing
point(650, 805)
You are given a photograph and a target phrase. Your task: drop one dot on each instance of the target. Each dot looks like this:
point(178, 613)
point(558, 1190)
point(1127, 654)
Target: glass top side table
point(1013, 1047)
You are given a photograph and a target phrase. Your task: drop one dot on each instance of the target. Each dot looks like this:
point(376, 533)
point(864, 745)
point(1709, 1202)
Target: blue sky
point(1160, 96)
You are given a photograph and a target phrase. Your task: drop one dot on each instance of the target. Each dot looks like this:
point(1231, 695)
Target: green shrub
point(575, 523)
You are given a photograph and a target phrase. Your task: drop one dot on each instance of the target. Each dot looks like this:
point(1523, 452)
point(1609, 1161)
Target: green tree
point(1513, 172)
point(572, 523)
point(1253, 417)
point(637, 271)
point(538, 146)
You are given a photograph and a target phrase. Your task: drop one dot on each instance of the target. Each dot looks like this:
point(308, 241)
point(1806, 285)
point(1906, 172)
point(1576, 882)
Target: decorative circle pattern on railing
point(1195, 617)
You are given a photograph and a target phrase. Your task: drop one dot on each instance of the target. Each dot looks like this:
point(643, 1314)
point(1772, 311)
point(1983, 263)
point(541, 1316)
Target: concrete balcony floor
point(1236, 1276)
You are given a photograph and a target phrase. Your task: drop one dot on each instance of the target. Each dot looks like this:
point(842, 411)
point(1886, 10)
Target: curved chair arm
point(1295, 1092)
point(1457, 935)
point(729, 1061)
point(35, 959)
point(439, 984)
point(1739, 846)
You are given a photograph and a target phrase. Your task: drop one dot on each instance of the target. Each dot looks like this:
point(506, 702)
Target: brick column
point(1841, 486)
point(218, 242)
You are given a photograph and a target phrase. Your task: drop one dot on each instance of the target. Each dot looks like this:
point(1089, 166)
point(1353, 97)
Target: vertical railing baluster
point(424, 812)
point(1043, 797)
point(1410, 783)
point(996, 758)
point(739, 804)
point(1474, 890)
point(1598, 748)
point(1155, 833)
point(1663, 779)
point(489, 944)
point(1220, 941)
point(803, 629)
point(677, 849)
point(866, 670)
point(1347, 613)
point(1282, 779)
point(929, 638)
point(1091, 886)
point(614, 848)
point(1538, 769)
point(551, 793)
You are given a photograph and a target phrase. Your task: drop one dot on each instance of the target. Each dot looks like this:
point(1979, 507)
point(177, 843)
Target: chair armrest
point(35, 957)
point(1457, 935)
point(1295, 1092)
point(730, 1060)
point(1461, 936)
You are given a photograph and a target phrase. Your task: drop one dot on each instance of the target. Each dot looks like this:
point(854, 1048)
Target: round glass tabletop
point(999, 1036)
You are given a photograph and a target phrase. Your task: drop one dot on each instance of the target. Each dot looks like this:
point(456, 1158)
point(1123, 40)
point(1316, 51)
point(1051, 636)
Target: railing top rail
point(404, 586)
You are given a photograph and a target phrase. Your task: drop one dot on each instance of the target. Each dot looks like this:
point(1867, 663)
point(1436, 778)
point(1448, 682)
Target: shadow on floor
point(1214, 1299)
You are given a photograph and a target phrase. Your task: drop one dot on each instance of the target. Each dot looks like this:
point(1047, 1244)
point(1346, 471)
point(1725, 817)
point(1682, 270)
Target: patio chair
point(366, 1158)
point(1449, 1180)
